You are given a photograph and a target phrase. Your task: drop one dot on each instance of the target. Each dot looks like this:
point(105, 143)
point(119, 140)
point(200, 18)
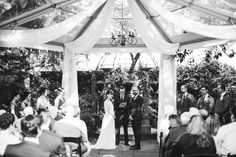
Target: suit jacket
point(25, 149)
point(136, 107)
point(121, 106)
point(206, 102)
point(222, 105)
point(52, 143)
point(186, 102)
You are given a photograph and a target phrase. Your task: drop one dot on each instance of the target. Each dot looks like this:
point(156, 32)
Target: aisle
point(149, 148)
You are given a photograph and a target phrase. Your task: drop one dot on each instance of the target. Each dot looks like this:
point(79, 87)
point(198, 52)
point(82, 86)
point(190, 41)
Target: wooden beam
point(33, 14)
point(90, 20)
point(154, 22)
point(213, 12)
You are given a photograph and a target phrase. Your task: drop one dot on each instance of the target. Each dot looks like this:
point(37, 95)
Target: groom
point(121, 103)
point(136, 116)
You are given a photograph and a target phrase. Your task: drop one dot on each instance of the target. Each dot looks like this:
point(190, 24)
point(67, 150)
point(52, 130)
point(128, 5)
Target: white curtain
point(149, 35)
point(167, 73)
point(167, 91)
point(221, 32)
point(82, 45)
point(36, 37)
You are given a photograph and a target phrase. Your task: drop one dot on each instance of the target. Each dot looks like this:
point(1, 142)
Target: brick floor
point(149, 148)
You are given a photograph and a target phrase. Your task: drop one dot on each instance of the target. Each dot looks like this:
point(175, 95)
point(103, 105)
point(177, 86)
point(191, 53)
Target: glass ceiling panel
point(188, 13)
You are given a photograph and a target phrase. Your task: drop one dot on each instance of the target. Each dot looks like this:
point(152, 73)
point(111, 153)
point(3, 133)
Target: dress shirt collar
point(31, 139)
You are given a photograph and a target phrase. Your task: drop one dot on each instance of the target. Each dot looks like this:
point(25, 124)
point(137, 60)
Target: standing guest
point(48, 140)
point(121, 107)
point(26, 102)
point(15, 106)
point(205, 102)
point(30, 146)
point(195, 141)
point(187, 100)
point(6, 135)
point(136, 116)
point(226, 135)
point(43, 100)
point(60, 100)
point(222, 105)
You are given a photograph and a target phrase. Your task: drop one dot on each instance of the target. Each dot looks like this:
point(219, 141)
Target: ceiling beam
point(33, 14)
point(90, 21)
point(214, 12)
point(154, 22)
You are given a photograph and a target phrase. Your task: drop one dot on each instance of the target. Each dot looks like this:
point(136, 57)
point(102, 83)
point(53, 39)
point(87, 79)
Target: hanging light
point(122, 38)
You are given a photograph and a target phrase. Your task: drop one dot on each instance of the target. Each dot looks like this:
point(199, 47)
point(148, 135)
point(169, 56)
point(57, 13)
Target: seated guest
point(226, 143)
point(6, 136)
point(50, 141)
point(30, 146)
point(27, 111)
point(213, 125)
point(72, 126)
point(195, 141)
point(175, 134)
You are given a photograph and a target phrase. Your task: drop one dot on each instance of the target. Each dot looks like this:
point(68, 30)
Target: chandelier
point(122, 37)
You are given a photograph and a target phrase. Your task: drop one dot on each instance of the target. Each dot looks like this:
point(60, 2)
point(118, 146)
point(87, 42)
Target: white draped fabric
point(167, 73)
point(167, 89)
point(149, 35)
point(220, 32)
point(82, 45)
point(37, 37)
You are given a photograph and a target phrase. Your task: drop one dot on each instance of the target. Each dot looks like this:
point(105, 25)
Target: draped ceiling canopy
point(162, 26)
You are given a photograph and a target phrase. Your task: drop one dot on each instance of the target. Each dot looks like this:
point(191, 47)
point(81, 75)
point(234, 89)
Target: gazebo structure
point(163, 26)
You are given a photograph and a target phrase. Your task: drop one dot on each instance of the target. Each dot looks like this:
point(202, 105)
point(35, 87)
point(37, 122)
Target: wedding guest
point(59, 101)
point(30, 145)
point(222, 105)
point(175, 133)
point(43, 100)
point(48, 140)
point(121, 108)
point(26, 102)
point(226, 135)
point(136, 116)
point(213, 125)
point(196, 140)
point(6, 135)
point(15, 106)
point(72, 126)
point(187, 100)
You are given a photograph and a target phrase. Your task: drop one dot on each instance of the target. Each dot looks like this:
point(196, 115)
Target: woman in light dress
point(106, 139)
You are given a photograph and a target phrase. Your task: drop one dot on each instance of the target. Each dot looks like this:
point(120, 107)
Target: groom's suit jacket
point(136, 107)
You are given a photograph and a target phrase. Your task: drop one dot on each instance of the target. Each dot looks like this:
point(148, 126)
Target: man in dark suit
point(136, 116)
point(222, 105)
point(30, 146)
point(205, 102)
point(187, 100)
point(121, 107)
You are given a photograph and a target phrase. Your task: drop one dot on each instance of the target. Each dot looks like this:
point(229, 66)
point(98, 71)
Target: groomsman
point(136, 116)
point(187, 100)
point(121, 106)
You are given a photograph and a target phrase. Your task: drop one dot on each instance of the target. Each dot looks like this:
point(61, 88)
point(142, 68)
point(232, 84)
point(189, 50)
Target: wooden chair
point(76, 140)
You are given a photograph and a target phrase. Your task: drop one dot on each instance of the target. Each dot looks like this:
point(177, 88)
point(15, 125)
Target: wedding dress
point(106, 139)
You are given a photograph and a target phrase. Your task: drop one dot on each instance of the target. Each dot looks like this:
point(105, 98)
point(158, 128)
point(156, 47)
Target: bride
point(106, 139)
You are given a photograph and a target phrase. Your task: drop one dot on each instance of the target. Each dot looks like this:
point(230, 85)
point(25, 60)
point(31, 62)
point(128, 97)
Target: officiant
point(121, 107)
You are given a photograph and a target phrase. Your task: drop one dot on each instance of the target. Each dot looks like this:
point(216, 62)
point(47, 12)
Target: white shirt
point(225, 139)
point(7, 138)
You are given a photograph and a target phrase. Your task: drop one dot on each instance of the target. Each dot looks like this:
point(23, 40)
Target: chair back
point(76, 140)
point(200, 155)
